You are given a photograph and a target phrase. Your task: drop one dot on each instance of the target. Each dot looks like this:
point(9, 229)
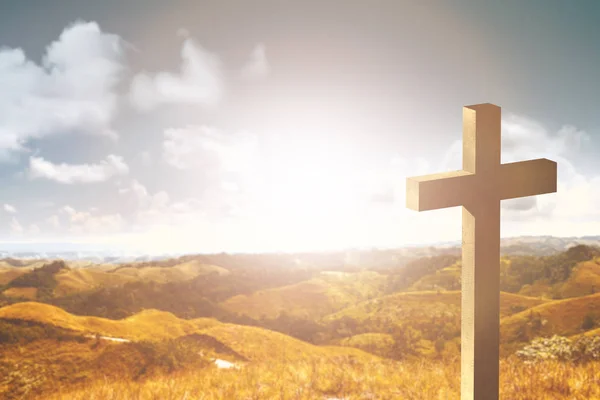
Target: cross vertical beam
point(480, 292)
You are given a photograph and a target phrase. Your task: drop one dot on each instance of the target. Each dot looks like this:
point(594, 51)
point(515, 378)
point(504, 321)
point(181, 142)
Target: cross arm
point(527, 178)
point(430, 192)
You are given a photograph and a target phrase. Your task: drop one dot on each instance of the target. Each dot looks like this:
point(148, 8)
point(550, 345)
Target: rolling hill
point(329, 292)
point(558, 317)
point(150, 325)
point(252, 343)
point(182, 271)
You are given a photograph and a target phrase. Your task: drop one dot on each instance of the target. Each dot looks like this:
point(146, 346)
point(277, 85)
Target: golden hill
point(7, 274)
point(183, 271)
point(380, 344)
point(431, 319)
point(314, 298)
point(447, 278)
point(18, 263)
point(29, 293)
point(252, 343)
point(399, 306)
point(151, 325)
point(585, 279)
point(258, 344)
point(558, 317)
point(81, 279)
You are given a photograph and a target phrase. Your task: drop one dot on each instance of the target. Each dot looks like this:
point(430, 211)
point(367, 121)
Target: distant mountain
point(533, 245)
point(520, 245)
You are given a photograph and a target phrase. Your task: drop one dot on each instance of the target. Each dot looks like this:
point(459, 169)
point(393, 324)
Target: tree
point(588, 322)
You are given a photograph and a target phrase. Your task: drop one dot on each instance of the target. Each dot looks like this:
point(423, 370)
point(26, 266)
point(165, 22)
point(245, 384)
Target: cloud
point(72, 91)
point(77, 173)
point(577, 199)
point(208, 149)
point(157, 211)
point(198, 83)
point(258, 65)
point(89, 222)
point(524, 139)
point(53, 221)
point(15, 226)
point(141, 200)
point(10, 209)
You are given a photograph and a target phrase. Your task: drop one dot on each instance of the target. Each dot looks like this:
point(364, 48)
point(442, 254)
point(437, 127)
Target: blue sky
point(279, 125)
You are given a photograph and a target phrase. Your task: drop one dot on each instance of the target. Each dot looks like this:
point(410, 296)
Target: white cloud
point(77, 173)
point(10, 209)
point(15, 226)
point(142, 199)
point(89, 222)
point(209, 149)
point(573, 209)
point(71, 91)
point(198, 83)
point(258, 65)
point(525, 139)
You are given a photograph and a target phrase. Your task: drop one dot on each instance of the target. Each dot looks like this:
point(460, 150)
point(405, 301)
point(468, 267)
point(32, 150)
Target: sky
point(208, 126)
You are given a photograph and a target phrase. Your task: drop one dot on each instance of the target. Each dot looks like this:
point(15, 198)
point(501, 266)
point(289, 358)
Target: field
point(250, 327)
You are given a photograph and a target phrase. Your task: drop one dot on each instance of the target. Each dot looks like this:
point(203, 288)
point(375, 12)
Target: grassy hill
point(151, 325)
point(423, 323)
point(566, 317)
point(324, 326)
point(7, 274)
point(63, 349)
point(183, 271)
point(445, 278)
point(20, 293)
point(381, 344)
point(401, 306)
point(329, 292)
point(79, 280)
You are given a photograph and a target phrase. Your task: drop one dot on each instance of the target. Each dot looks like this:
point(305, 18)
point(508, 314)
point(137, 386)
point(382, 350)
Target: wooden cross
point(479, 188)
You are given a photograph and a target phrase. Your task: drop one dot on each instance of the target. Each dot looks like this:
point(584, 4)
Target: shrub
point(560, 348)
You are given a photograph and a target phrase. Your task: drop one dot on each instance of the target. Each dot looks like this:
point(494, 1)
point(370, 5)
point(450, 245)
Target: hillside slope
point(151, 325)
point(558, 317)
point(329, 292)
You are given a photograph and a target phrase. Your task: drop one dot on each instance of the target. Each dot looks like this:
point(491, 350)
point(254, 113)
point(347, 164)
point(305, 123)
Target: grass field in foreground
point(344, 378)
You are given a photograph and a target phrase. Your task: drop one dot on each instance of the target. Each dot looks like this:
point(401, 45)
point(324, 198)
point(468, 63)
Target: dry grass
point(375, 343)
point(350, 379)
point(29, 293)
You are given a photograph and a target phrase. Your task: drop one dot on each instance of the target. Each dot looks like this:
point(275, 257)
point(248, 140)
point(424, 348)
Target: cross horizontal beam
point(451, 189)
point(527, 178)
point(443, 190)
